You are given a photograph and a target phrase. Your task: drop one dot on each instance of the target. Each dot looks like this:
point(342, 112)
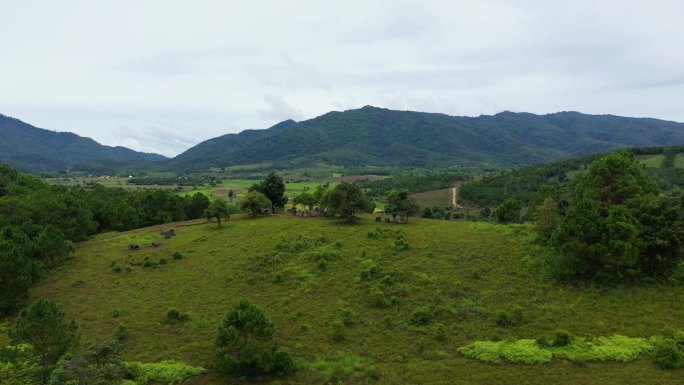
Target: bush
point(348, 317)
point(174, 315)
point(562, 338)
point(338, 331)
point(18, 365)
point(667, 354)
point(422, 316)
point(177, 256)
point(165, 372)
point(506, 319)
point(519, 351)
point(121, 332)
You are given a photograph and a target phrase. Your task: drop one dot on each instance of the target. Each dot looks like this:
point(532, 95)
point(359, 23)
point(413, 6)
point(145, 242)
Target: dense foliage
point(618, 227)
point(346, 199)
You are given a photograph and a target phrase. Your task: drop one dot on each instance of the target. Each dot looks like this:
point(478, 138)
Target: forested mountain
point(33, 149)
point(373, 136)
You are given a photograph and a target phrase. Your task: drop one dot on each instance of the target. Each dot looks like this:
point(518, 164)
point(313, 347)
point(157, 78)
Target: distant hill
point(33, 149)
point(373, 136)
point(664, 164)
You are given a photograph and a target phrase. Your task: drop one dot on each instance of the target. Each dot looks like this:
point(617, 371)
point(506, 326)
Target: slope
point(458, 275)
point(29, 148)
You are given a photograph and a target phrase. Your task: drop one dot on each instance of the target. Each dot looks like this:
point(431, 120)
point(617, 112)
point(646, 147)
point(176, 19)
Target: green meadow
point(359, 304)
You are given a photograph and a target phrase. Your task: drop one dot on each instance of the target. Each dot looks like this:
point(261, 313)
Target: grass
point(330, 276)
point(434, 198)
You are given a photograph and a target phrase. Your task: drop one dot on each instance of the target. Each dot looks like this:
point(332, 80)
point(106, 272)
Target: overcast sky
point(161, 76)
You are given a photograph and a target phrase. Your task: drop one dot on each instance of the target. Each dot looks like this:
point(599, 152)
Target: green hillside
point(35, 150)
point(664, 164)
point(380, 137)
point(407, 311)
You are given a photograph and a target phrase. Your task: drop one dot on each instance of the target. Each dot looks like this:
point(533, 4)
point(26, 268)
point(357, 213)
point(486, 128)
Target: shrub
point(440, 333)
point(165, 372)
point(18, 365)
point(377, 297)
point(422, 316)
point(666, 354)
point(562, 338)
point(174, 315)
point(519, 351)
point(162, 261)
point(177, 256)
point(348, 317)
point(338, 331)
point(506, 319)
point(121, 332)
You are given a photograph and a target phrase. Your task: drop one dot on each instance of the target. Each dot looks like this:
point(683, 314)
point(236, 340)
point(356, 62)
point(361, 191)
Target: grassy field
point(434, 198)
point(461, 274)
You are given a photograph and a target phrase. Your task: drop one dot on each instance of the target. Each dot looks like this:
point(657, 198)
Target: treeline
point(523, 183)
point(38, 222)
point(180, 181)
point(413, 182)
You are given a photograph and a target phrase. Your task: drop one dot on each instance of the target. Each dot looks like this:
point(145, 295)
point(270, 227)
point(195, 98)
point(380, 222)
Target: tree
point(321, 195)
point(217, 209)
point(346, 199)
point(18, 365)
point(274, 189)
point(16, 267)
point(44, 326)
point(305, 199)
point(245, 346)
point(509, 211)
point(400, 203)
point(618, 227)
point(101, 364)
point(52, 244)
point(198, 203)
point(254, 201)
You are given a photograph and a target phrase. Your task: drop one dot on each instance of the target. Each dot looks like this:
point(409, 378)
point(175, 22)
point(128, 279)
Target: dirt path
point(454, 198)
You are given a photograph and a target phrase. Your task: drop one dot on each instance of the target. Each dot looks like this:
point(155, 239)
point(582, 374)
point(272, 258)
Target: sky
point(162, 76)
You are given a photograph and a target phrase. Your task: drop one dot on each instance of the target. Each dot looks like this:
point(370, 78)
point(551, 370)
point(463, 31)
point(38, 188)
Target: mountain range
point(368, 136)
point(372, 136)
point(33, 149)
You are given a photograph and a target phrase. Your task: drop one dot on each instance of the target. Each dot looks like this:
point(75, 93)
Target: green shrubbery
point(614, 348)
point(165, 372)
point(668, 349)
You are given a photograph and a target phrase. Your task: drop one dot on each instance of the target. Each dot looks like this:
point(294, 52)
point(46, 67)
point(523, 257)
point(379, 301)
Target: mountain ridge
point(372, 136)
point(35, 149)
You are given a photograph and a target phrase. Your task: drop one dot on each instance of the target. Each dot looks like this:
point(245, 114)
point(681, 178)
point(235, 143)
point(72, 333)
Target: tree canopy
point(254, 201)
point(618, 227)
point(44, 326)
point(346, 199)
